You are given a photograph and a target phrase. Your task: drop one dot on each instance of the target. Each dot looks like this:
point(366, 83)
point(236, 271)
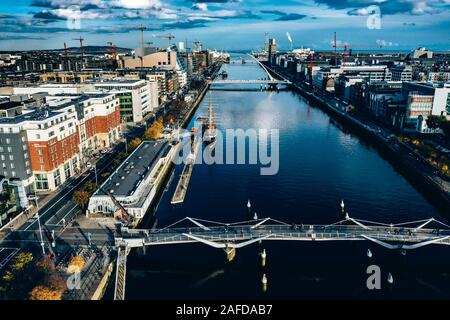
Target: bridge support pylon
point(231, 253)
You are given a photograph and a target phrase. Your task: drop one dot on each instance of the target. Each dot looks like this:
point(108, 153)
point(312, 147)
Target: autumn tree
point(155, 130)
point(81, 198)
point(56, 282)
point(46, 265)
point(134, 144)
point(76, 264)
point(22, 260)
point(41, 292)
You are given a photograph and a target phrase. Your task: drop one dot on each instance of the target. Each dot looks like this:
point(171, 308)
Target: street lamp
point(40, 232)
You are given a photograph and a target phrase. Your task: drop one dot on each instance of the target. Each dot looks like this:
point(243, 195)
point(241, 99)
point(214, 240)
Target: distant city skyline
point(225, 24)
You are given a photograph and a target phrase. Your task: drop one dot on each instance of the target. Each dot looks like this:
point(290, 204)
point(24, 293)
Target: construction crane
point(81, 45)
point(112, 50)
point(65, 51)
point(197, 44)
point(346, 46)
point(168, 36)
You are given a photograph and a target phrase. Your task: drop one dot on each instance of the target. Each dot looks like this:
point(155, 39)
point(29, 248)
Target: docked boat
point(210, 132)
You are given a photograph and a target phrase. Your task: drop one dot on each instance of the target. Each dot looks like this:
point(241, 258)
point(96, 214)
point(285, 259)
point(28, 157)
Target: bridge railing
point(277, 228)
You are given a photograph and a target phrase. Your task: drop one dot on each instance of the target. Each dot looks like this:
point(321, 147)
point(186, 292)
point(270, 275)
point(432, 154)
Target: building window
point(42, 167)
point(67, 170)
point(38, 136)
point(12, 165)
point(9, 149)
point(8, 140)
point(11, 157)
point(41, 181)
point(13, 173)
point(57, 177)
point(39, 152)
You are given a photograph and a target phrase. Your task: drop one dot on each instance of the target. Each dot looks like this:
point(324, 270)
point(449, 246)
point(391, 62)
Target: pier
point(185, 177)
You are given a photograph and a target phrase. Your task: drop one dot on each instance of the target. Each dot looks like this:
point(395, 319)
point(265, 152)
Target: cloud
point(215, 1)
point(388, 7)
point(284, 16)
point(291, 16)
point(384, 43)
point(200, 6)
point(20, 37)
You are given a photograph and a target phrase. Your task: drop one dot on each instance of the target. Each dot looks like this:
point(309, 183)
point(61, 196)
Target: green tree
point(90, 187)
point(435, 122)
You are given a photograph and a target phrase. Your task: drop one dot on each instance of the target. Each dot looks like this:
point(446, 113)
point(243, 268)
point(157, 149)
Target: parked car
point(32, 197)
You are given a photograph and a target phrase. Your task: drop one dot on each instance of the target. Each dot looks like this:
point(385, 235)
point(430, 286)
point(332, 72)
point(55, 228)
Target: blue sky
point(225, 24)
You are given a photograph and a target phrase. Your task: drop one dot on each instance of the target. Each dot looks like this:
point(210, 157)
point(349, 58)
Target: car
point(32, 197)
point(88, 164)
point(104, 151)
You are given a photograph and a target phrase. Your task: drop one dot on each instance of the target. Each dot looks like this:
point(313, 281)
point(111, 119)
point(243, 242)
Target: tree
point(134, 144)
point(46, 265)
point(445, 126)
point(8, 276)
point(76, 264)
point(22, 260)
point(90, 187)
point(81, 198)
point(56, 282)
point(435, 122)
point(41, 292)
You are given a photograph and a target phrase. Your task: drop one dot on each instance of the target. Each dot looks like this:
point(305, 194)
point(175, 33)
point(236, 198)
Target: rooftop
point(125, 180)
point(37, 115)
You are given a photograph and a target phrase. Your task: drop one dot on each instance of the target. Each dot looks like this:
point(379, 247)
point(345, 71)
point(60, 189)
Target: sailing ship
point(211, 132)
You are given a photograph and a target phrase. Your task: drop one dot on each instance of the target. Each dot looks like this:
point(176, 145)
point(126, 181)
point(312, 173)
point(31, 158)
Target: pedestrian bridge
point(404, 236)
point(261, 81)
point(232, 236)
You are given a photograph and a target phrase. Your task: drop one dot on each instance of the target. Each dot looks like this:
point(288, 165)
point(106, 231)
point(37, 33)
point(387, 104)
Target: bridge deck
point(121, 271)
point(262, 81)
point(232, 234)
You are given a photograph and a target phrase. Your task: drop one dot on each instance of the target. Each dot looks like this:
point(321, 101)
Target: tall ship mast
point(211, 132)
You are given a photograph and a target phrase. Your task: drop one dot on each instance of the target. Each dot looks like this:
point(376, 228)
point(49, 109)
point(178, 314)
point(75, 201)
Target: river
point(320, 163)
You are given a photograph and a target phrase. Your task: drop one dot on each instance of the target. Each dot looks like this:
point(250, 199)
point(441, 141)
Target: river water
point(320, 163)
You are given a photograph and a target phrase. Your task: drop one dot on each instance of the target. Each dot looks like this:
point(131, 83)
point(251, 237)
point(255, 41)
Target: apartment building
point(136, 97)
point(45, 147)
point(401, 73)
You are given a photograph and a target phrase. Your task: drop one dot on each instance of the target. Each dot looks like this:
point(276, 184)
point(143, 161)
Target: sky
point(227, 24)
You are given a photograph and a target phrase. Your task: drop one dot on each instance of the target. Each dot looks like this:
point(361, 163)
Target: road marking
point(9, 257)
point(81, 181)
point(60, 220)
